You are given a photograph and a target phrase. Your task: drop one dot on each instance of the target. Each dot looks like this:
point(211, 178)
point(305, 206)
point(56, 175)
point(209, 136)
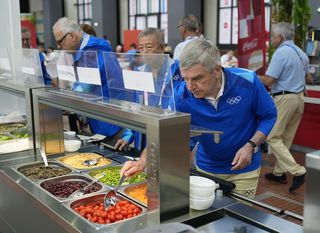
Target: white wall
point(210, 20)
point(70, 9)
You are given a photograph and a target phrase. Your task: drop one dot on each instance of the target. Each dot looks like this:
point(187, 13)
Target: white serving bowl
point(72, 145)
point(202, 192)
point(68, 135)
point(202, 182)
point(201, 203)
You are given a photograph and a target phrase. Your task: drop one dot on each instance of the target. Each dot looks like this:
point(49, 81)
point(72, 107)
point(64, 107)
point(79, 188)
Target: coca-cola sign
point(248, 45)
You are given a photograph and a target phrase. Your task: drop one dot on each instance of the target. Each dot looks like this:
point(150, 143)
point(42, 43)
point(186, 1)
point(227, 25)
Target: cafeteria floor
point(276, 194)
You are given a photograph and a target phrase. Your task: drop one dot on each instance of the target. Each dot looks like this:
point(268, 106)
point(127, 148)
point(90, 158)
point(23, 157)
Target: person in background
point(88, 29)
point(119, 48)
point(229, 60)
point(233, 101)
point(286, 76)
point(151, 41)
point(70, 36)
point(188, 28)
point(131, 52)
point(26, 38)
point(42, 50)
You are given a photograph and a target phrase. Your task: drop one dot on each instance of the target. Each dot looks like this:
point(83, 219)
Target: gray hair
point(67, 25)
point(158, 33)
point(190, 22)
point(200, 51)
point(283, 29)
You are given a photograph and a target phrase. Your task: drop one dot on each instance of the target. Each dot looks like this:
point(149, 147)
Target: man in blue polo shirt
point(230, 100)
point(151, 41)
point(70, 36)
point(286, 76)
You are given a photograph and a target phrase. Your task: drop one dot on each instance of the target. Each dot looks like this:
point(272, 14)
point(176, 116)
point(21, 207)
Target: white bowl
point(68, 135)
point(202, 182)
point(202, 192)
point(72, 145)
point(201, 204)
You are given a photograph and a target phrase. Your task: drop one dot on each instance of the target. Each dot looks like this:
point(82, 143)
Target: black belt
point(284, 93)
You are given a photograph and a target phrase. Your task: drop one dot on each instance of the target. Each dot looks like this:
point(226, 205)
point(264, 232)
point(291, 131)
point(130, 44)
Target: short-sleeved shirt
point(288, 66)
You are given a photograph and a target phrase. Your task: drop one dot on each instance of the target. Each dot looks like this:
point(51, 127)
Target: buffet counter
point(27, 207)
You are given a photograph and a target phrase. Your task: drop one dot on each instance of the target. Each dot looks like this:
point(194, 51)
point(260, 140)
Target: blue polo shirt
point(288, 66)
point(244, 108)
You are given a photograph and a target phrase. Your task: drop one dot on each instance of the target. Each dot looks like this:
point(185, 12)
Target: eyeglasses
point(59, 42)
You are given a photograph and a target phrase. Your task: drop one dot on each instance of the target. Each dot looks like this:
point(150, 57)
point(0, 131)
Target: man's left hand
point(243, 157)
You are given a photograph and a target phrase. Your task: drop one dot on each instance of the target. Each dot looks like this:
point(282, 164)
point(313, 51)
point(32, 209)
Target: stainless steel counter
point(25, 207)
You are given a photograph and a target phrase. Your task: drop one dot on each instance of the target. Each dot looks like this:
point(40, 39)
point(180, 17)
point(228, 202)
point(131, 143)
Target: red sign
point(251, 35)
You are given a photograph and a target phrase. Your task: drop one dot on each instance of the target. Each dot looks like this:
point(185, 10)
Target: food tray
point(60, 186)
point(96, 199)
point(125, 191)
point(46, 175)
point(78, 158)
point(112, 176)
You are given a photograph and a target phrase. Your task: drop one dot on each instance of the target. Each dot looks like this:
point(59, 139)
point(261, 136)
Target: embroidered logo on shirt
point(216, 138)
point(234, 100)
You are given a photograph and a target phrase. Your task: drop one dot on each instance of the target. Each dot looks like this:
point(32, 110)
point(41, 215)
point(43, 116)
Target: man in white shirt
point(188, 28)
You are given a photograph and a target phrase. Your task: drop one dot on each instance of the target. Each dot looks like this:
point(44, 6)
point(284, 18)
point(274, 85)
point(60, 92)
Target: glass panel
point(79, 74)
point(152, 21)
point(5, 67)
point(235, 26)
point(141, 23)
point(154, 6)
point(164, 6)
point(132, 7)
point(225, 3)
point(225, 26)
point(27, 67)
point(143, 82)
point(132, 23)
point(142, 7)
point(164, 26)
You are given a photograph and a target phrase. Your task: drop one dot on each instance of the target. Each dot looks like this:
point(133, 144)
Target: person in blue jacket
point(151, 41)
point(231, 100)
point(70, 36)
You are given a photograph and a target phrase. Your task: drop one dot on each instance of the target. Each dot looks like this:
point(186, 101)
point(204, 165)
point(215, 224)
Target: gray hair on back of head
point(158, 33)
point(200, 51)
point(190, 22)
point(283, 29)
point(67, 25)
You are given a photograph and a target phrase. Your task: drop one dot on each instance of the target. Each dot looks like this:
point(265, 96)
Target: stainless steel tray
point(69, 178)
point(53, 164)
point(59, 159)
point(115, 179)
point(124, 191)
point(98, 198)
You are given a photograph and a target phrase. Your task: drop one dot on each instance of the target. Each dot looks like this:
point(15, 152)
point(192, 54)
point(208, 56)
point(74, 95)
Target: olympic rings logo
point(176, 77)
point(234, 100)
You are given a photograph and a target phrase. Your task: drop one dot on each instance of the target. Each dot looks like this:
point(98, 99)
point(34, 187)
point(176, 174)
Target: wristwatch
point(254, 146)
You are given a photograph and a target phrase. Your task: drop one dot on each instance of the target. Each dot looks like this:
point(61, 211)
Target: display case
point(16, 84)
